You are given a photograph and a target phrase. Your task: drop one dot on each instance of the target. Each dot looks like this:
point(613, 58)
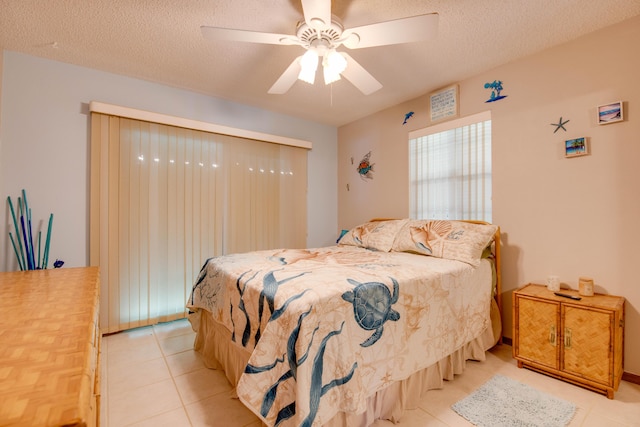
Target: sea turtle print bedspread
point(328, 327)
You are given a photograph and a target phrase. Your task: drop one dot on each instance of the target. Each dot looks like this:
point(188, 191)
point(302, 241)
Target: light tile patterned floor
point(152, 377)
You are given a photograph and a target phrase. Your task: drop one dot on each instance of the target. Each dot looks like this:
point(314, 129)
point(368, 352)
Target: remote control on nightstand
point(560, 294)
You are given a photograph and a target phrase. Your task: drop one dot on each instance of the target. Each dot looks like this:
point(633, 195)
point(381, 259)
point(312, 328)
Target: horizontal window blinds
point(450, 170)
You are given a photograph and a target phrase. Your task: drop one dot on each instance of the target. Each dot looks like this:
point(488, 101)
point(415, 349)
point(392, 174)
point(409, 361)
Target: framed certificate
point(443, 104)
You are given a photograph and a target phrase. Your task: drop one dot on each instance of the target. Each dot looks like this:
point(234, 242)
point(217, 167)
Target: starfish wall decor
point(560, 125)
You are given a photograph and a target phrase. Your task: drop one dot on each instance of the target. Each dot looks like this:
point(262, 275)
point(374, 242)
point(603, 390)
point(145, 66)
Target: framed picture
point(576, 147)
point(443, 104)
point(610, 113)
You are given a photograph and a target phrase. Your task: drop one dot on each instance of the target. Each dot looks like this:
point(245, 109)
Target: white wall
point(44, 148)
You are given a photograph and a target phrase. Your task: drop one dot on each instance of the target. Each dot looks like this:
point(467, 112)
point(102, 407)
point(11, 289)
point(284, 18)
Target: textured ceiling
point(160, 41)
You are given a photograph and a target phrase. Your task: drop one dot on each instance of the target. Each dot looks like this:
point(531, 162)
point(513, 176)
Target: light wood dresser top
point(49, 340)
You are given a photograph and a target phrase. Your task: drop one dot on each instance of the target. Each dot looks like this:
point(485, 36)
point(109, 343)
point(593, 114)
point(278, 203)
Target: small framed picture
point(443, 104)
point(576, 147)
point(610, 113)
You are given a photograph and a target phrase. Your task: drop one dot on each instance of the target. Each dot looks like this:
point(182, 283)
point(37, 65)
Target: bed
point(347, 334)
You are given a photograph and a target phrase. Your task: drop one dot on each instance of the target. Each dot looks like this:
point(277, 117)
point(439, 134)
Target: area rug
point(502, 401)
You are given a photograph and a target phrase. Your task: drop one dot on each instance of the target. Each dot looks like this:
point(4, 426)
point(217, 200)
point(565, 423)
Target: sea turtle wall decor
point(372, 303)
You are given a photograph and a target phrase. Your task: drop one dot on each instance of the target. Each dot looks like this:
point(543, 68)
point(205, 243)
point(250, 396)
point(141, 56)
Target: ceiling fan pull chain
point(331, 95)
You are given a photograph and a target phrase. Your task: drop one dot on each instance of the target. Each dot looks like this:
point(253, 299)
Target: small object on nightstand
point(553, 283)
point(560, 294)
point(585, 286)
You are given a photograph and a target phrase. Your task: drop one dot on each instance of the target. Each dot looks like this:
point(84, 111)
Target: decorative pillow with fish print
point(376, 235)
point(456, 240)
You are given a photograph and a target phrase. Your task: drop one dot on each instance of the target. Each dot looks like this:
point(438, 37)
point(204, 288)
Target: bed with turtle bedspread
point(346, 334)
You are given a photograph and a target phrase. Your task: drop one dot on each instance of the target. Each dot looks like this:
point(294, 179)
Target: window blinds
point(164, 199)
point(450, 170)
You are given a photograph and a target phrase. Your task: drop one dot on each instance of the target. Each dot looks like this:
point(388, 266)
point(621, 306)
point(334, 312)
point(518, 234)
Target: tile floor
point(152, 377)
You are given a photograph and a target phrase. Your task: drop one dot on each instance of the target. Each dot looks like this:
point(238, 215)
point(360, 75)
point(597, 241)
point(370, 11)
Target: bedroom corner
point(576, 204)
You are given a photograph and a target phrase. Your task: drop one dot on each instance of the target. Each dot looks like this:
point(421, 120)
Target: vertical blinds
point(164, 199)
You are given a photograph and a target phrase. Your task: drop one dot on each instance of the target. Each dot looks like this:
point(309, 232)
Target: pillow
point(376, 235)
point(456, 240)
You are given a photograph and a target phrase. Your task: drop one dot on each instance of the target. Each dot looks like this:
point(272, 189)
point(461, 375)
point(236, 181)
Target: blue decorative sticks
point(25, 249)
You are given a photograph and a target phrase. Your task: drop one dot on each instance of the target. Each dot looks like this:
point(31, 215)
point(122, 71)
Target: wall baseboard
point(632, 378)
point(626, 376)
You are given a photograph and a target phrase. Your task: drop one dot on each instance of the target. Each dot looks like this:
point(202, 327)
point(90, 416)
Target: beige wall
point(568, 217)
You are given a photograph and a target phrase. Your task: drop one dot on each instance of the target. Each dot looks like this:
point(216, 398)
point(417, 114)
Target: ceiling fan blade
point(287, 79)
point(229, 34)
point(360, 77)
point(405, 30)
point(317, 13)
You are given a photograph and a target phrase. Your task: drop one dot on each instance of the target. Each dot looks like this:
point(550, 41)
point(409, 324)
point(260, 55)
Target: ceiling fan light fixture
point(335, 61)
point(308, 66)
point(333, 64)
point(330, 76)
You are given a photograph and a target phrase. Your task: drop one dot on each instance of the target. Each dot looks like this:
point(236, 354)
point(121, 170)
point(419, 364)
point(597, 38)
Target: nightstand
point(576, 341)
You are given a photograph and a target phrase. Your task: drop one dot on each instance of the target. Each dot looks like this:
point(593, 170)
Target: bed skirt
point(213, 342)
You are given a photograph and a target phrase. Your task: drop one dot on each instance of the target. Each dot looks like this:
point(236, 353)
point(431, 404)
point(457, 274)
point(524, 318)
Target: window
point(450, 170)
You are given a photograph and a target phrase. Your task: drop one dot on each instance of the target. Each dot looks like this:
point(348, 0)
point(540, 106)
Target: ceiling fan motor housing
point(323, 39)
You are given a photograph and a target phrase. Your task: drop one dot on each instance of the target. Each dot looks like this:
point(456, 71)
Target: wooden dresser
point(580, 341)
point(50, 347)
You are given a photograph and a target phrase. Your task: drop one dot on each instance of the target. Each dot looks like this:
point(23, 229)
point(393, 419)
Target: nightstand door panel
point(588, 350)
point(539, 331)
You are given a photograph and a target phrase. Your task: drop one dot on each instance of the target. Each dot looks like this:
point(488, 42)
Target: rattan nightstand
point(577, 341)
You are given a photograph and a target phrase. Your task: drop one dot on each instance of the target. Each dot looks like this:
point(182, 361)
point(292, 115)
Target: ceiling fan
point(321, 34)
